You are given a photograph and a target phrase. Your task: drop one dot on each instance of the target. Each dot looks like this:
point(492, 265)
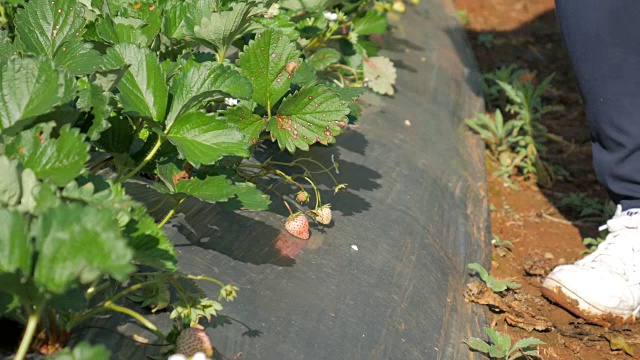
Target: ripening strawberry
point(302, 196)
point(323, 214)
point(193, 340)
point(298, 226)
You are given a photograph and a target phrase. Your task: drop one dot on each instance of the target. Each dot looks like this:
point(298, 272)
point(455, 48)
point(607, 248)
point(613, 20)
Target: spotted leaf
point(313, 114)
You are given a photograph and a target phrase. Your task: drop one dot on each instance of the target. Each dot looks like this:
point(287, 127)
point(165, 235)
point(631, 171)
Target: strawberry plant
point(180, 93)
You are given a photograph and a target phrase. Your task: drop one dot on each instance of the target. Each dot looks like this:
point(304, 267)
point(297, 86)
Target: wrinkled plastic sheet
point(415, 209)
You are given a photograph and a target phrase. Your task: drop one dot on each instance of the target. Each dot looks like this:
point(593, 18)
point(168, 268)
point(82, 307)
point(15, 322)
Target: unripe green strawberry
point(298, 226)
point(193, 340)
point(323, 214)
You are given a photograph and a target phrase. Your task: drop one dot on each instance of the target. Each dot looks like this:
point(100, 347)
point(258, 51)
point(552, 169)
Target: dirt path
point(544, 232)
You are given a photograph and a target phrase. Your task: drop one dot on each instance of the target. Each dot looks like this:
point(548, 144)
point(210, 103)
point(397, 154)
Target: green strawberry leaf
point(380, 73)
point(168, 170)
point(281, 22)
point(311, 115)
point(7, 49)
point(15, 244)
point(91, 98)
point(102, 194)
point(54, 29)
point(305, 74)
point(150, 244)
point(83, 351)
point(248, 123)
point(78, 243)
point(250, 197)
point(143, 89)
point(29, 183)
point(146, 18)
point(306, 5)
point(175, 19)
point(324, 57)
point(29, 88)
point(211, 189)
point(264, 61)
point(372, 22)
point(117, 138)
point(79, 58)
point(44, 26)
point(198, 82)
point(59, 160)
point(219, 29)
point(351, 95)
point(205, 139)
point(122, 30)
point(10, 191)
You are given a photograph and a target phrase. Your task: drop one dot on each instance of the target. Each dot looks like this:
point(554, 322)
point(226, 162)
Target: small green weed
point(500, 347)
point(463, 17)
point(499, 136)
point(588, 208)
point(486, 40)
point(492, 283)
point(516, 143)
point(491, 89)
point(592, 244)
point(500, 243)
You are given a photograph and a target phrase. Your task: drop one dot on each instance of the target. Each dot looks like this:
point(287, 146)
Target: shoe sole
point(557, 296)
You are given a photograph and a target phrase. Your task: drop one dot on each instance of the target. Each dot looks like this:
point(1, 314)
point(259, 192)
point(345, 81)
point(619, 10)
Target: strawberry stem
point(32, 324)
point(288, 208)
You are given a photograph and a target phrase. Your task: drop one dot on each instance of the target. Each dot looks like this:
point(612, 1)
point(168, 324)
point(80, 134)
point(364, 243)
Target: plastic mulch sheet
point(415, 210)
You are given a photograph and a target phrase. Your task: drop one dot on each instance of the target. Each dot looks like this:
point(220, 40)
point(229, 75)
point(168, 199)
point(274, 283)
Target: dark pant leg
point(603, 40)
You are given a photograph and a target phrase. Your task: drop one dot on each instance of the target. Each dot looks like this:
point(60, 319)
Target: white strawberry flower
point(231, 101)
point(331, 16)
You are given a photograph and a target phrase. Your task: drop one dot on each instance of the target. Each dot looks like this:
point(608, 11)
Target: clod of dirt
point(516, 313)
point(520, 316)
point(479, 293)
point(539, 265)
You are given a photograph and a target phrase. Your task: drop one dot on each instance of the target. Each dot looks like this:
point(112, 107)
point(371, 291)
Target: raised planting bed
point(210, 145)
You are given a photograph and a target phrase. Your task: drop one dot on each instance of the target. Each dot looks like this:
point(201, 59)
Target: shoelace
point(618, 253)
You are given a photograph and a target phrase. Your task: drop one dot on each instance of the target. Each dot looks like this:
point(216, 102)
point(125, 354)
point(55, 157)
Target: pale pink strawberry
point(302, 196)
point(323, 214)
point(298, 226)
point(193, 340)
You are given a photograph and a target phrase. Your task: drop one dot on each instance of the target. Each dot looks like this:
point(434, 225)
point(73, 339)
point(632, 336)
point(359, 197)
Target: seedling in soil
point(498, 286)
point(593, 243)
point(463, 17)
point(491, 90)
point(486, 40)
point(500, 346)
point(588, 208)
point(517, 143)
point(500, 243)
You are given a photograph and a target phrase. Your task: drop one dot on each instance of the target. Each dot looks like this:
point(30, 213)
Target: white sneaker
point(603, 287)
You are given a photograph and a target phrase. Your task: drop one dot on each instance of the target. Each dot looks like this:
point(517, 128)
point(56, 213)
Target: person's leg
point(603, 40)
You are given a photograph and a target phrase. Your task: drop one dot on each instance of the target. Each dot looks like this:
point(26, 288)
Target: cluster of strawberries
point(298, 225)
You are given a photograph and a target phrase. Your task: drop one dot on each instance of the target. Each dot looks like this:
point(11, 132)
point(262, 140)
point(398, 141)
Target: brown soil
point(544, 234)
